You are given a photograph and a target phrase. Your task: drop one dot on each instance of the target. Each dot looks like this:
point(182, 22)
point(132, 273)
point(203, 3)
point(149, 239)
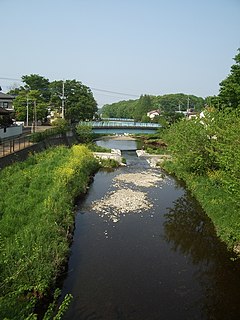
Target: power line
point(114, 92)
point(95, 89)
point(11, 79)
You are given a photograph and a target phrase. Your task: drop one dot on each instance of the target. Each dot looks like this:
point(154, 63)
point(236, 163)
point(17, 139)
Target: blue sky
point(128, 46)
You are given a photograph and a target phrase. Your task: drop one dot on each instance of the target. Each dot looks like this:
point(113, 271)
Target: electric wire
point(94, 89)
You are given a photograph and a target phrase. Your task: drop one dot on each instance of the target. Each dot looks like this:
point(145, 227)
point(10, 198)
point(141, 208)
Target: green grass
point(36, 212)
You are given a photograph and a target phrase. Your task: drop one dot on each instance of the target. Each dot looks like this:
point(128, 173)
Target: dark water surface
point(163, 263)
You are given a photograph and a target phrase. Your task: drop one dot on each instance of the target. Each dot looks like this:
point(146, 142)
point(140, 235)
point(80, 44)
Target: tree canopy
point(229, 92)
point(167, 104)
point(41, 95)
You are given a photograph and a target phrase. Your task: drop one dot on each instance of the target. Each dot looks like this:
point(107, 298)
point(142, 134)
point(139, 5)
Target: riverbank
point(37, 218)
point(215, 201)
point(206, 156)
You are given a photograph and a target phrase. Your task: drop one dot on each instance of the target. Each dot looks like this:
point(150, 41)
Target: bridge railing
point(118, 119)
point(105, 124)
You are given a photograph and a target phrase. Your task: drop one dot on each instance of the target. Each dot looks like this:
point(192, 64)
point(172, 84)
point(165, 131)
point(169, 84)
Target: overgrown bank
point(206, 155)
point(36, 212)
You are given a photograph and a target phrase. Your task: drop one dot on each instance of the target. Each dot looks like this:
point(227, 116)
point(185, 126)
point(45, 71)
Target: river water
point(150, 259)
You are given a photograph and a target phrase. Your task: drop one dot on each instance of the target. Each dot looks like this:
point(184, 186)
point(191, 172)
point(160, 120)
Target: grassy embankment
point(206, 155)
point(36, 221)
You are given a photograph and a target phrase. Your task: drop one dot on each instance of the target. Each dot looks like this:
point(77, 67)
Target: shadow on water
point(192, 233)
point(163, 263)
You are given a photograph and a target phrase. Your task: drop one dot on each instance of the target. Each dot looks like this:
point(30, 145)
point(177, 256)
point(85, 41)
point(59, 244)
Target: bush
point(84, 133)
point(206, 155)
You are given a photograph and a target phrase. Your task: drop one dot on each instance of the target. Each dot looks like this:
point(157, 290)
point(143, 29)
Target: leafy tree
point(168, 103)
point(39, 94)
point(84, 133)
point(230, 87)
point(61, 124)
point(121, 109)
point(190, 143)
point(213, 101)
point(79, 104)
point(37, 82)
point(143, 106)
point(145, 119)
point(37, 107)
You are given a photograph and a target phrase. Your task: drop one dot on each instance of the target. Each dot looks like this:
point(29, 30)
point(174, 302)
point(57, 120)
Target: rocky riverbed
point(129, 196)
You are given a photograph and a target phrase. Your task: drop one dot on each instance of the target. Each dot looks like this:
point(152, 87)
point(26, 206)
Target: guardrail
point(116, 124)
point(8, 146)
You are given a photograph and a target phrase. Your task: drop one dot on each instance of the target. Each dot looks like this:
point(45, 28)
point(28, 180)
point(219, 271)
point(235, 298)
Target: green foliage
point(173, 102)
point(79, 101)
point(61, 124)
point(229, 93)
point(37, 106)
point(84, 133)
point(189, 143)
point(40, 136)
point(121, 109)
point(109, 163)
point(144, 105)
point(206, 155)
point(79, 104)
point(95, 148)
point(168, 104)
point(36, 219)
point(37, 83)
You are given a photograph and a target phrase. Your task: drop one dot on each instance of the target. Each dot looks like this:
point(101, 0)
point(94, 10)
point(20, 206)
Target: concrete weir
point(153, 159)
point(115, 154)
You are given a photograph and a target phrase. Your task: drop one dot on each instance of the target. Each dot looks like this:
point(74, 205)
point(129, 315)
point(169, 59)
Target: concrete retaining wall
point(10, 132)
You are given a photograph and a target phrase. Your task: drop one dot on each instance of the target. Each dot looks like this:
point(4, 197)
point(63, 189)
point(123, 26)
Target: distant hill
point(138, 108)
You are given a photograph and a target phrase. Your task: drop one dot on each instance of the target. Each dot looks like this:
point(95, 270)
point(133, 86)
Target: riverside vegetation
point(206, 155)
point(36, 211)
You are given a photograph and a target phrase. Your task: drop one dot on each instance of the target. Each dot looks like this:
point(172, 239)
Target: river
point(144, 250)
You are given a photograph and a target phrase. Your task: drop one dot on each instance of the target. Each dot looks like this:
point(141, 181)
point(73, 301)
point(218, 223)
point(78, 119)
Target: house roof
point(6, 96)
point(154, 111)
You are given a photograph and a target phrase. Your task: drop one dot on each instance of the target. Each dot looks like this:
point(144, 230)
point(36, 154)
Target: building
point(6, 101)
point(152, 114)
point(7, 128)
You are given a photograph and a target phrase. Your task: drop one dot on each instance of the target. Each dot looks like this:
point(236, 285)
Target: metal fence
point(9, 146)
point(117, 124)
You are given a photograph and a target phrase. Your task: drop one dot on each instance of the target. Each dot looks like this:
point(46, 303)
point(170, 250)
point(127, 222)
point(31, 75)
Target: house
point(152, 114)
point(7, 128)
point(6, 101)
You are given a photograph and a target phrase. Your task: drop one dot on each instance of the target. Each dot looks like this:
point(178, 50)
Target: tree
point(79, 103)
point(143, 106)
point(84, 133)
point(34, 102)
point(229, 92)
point(37, 82)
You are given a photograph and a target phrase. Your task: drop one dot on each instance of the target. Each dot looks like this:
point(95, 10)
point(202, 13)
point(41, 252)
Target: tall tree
point(31, 102)
point(79, 101)
point(229, 92)
point(37, 82)
point(143, 106)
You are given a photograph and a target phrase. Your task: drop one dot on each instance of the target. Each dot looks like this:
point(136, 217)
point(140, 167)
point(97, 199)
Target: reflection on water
point(162, 263)
point(192, 233)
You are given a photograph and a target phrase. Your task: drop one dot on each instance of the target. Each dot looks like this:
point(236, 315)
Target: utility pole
point(27, 112)
point(34, 116)
point(63, 100)
point(188, 103)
